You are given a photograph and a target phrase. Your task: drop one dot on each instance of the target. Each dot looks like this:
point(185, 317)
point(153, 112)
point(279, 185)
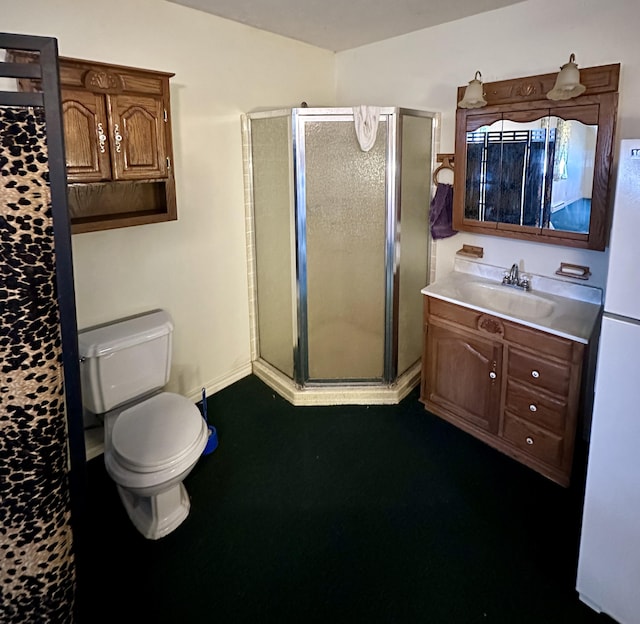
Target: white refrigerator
point(609, 561)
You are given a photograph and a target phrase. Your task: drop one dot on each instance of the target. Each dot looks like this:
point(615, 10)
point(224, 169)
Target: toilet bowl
point(152, 438)
point(150, 448)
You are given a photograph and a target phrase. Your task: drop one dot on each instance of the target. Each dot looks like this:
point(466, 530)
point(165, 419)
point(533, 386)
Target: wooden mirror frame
point(520, 97)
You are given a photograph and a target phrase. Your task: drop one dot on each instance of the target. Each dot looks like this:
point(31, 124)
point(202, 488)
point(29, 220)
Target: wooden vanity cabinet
point(512, 386)
point(477, 399)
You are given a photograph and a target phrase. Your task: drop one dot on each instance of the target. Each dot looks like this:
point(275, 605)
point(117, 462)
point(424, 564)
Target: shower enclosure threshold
point(338, 394)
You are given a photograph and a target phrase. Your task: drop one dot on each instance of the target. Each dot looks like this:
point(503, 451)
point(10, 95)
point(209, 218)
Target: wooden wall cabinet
point(118, 147)
point(117, 124)
point(514, 387)
point(111, 137)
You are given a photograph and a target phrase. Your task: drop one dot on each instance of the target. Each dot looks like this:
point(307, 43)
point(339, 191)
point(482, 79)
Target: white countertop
point(576, 307)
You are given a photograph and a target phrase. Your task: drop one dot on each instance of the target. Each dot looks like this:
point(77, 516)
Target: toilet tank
point(124, 359)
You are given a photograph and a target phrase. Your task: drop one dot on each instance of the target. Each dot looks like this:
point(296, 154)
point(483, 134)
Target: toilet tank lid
point(104, 339)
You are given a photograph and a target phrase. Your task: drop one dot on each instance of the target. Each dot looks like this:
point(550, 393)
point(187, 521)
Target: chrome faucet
point(513, 279)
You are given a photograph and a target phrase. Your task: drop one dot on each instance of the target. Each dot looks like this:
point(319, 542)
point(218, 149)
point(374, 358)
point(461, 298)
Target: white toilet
point(152, 439)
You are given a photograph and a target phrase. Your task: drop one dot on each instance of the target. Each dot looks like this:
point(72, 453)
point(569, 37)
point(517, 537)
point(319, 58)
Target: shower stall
point(338, 243)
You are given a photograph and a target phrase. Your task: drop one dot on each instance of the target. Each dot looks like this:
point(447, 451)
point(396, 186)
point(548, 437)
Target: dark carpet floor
point(340, 514)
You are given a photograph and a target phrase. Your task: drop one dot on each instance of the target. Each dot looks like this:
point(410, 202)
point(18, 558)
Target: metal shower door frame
point(301, 352)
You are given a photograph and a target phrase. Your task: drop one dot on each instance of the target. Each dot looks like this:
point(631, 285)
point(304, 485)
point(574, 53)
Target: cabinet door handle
point(529, 440)
point(118, 138)
point(102, 137)
point(533, 408)
point(535, 374)
point(493, 374)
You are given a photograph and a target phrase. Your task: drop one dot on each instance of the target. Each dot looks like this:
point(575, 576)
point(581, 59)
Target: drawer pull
point(535, 374)
point(529, 440)
point(492, 375)
point(533, 408)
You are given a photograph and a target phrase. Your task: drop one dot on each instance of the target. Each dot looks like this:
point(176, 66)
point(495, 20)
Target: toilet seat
point(158, 434)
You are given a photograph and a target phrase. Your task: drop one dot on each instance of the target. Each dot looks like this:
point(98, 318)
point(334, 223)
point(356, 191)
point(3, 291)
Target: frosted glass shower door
point(274, 240)
point(415, 189)
point(342, 218)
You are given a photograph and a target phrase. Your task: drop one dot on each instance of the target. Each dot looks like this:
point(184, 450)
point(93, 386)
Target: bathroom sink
point(511, 301)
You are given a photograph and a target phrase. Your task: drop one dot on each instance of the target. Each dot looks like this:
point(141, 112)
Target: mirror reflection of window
point(562, 134)
point(484, 155)
point(537, 174)
point(506, 164)
point(572, 181)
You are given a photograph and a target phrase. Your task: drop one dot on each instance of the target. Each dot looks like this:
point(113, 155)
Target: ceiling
point(339, 25)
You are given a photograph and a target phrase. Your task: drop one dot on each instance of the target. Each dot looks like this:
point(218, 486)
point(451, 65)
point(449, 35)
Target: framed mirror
point(531, 168)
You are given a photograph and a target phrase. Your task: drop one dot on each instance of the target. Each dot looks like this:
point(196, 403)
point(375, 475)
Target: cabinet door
point(85, 136)
point(138, 146)
point(463, 375)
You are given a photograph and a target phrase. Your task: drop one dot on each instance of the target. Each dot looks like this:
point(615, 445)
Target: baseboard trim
point(337, 395)
point(219, 383)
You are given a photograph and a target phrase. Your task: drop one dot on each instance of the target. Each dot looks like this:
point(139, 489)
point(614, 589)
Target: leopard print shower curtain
point(37, 573)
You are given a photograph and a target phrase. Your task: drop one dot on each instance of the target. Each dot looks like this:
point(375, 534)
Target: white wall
point(424, 69)
point(194, 267)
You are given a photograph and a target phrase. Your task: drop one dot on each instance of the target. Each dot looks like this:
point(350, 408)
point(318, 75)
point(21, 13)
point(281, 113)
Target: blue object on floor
point(212, 442)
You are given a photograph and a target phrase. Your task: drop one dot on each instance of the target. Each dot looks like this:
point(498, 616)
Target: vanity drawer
point(545, 410)
point(551, 376)
point(452, 312)
point(536, 441)
point(539, 341)
point(479, 321)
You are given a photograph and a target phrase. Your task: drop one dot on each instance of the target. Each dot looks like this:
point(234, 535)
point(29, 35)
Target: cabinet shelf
point(108, 205)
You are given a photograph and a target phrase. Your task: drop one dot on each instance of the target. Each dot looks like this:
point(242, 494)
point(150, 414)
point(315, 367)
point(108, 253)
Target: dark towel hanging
point(441, 213)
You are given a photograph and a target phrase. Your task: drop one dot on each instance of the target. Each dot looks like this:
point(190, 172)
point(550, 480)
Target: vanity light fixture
point(568, 82)
point(473, 95)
